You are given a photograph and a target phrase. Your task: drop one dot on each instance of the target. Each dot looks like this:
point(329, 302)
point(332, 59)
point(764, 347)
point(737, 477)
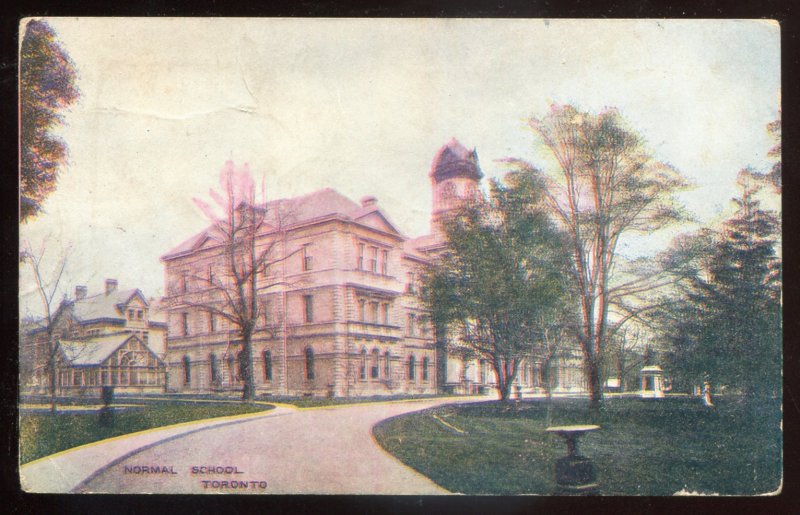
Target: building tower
point(455, 174)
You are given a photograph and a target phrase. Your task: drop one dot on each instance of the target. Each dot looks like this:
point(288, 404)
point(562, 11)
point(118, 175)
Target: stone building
point(107, 339)
point(345, 319)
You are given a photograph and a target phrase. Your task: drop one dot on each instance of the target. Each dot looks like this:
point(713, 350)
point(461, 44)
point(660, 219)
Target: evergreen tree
point(729, 330)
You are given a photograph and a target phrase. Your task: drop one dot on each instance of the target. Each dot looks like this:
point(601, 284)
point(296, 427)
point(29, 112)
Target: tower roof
point(455, 160)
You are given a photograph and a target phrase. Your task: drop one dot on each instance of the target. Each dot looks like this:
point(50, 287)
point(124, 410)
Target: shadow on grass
point(42, 434)
point(644, 447)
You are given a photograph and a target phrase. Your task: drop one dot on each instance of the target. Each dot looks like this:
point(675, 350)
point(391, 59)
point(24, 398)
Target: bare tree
point(605, 185)
point(47, 288)
point(249, 234)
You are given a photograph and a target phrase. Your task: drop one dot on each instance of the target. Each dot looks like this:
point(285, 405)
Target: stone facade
point(342, 314)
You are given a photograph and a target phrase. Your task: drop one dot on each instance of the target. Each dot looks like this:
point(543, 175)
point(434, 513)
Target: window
point(425, 363)
point(185, 323)
point(361, 248)
point(411, 285)
point(482, 371)
point(266, 306)
point(308, 308)
point(373, 259)
point(363, 369)
point(139, 314)
point(267, 365)
point(362, 310)
point(412, 364)
point(212, 363)
point(375, 369)
point(244, 365)
point(212, 322)
point(373, 312)
point(385, 262)
point(411, 326)
point(184, 282)
point(307, 259)
point(385, 307)
point(309, 363)
point(231, 369)
point(130, 314)
point(187, 370)
point(387, 365)
point(448, 191)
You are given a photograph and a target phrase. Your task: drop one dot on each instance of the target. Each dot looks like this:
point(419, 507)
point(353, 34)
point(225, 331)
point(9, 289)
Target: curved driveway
point(287, 451)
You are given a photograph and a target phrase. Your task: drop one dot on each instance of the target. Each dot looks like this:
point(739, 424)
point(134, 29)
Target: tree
point(46, 290)
point(776, 173)
point(501, 277)
point(246, 231)
point(729, 328)
point(46, 88)
point(626, 355)
point(605, 185)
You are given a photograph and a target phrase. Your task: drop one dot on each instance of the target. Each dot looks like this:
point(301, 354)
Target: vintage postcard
point(400, 256)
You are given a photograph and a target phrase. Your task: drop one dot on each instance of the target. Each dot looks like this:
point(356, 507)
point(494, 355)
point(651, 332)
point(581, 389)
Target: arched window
point(387, 365)
point(244, 366)
point(309, 363)
point(375, 369)
point(187, 370)
point(425, 363)
point(448, 191)
point(363, 369)
point(267, 365)
point(212, 363)
point(412, 365)
point(231, 368)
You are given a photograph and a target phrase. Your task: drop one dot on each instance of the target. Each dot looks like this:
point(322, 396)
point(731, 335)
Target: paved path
point(284, 451)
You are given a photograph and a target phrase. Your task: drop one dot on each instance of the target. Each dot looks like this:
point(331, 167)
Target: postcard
point(400, 256)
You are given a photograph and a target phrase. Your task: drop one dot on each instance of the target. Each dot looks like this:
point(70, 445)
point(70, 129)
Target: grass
point(314, 402)
point(644, 447)
point(42, 434)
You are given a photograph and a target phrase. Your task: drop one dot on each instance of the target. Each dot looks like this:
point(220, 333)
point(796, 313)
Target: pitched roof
point(104, 306)
point(94, 350)
point(455, 160)
point(290, 211)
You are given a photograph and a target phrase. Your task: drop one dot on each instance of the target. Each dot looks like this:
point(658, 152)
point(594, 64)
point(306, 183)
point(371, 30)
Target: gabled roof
point(296, 210)
point(105, 306)
point(455, 160)
point(94, 351)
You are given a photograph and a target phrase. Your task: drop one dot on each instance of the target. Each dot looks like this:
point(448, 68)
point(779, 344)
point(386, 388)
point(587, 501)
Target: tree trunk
point(246, 369)
point(53, 373)
point(593, 384)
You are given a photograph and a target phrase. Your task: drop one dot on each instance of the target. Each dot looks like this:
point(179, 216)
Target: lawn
point(315, 402)
point(644, 447)
point(42, 434)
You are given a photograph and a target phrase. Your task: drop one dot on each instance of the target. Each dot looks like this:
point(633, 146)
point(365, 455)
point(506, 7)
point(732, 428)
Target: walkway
point(284, 451)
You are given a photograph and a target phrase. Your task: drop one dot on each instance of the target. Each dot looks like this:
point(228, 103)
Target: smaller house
point(108, 339)
point(120, 360)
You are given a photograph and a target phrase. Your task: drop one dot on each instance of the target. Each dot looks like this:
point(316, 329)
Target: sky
point(362, 106)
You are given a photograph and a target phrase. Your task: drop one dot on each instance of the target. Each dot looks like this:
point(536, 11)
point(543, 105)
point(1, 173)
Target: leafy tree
point(605, 184)
point(46, 88)
point(775, 175)
point(728, 327)
point(502, 277)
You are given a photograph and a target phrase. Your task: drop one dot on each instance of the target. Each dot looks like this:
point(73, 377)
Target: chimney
point(111, 286)
point(80, 292)
point(369, 200)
